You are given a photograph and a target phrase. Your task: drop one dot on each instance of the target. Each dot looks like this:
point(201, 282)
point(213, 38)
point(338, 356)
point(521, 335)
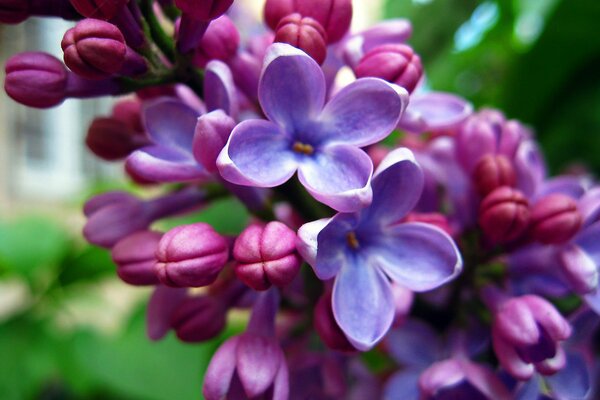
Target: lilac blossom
point(320, 141)
point(365, 251)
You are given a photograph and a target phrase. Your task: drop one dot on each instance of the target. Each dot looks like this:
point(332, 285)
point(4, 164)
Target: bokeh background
point(70, 330)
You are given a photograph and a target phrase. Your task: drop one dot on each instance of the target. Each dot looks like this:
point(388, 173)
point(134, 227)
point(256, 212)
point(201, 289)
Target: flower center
point(352, 240)
point(303, 148)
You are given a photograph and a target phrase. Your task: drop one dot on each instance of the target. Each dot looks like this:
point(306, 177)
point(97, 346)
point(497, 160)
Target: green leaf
point(86, 264)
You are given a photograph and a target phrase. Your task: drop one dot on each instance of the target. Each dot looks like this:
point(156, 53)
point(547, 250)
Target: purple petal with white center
point(403, 385)
point(170, 123)
point(292, 86)
point(362, 113)
point(162, 304)
point(573, 381)
point(414, 344)
point(258, 360)
point(418, 256)
point(307, 243)
point(219, 88)
point(578, 268)
point(219, 374)
point(363, 304)
point(397, 185)
point(211, 134)
point(338, 176)
point(257, 154)
point(165, 164)
point(435, 111)
point(333, 250)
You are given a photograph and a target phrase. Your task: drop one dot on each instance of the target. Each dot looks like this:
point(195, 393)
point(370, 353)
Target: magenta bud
point(36, 79)
point(334, 15)
point(100, 9)
point(191, 256)
point(493, 171)
point(220, 42)
point(395, 63)
point(504, 214)
point(198, 319)
point(111, 139)
point(266, 255)
point(204, 10)
point(526, 332)
point(304, 33)
point(135, 258)
point(555, 219)
point(327, 328)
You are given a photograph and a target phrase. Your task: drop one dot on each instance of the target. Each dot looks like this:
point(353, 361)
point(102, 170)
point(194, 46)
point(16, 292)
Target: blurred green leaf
point(86, 264)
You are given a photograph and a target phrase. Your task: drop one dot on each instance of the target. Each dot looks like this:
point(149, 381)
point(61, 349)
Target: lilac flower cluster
point(446, 252)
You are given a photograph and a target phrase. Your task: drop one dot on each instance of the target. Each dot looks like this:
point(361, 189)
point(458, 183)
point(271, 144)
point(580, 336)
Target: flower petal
point(403, 385)
point(219, 374)
point(162, 304)
point(573, 381)
point(397, 186)
point(414, 344)
point(578, 268)
point(338, 176)
point(170, 122)
point(435, 111)
point(258, 360)
point(418, 256)
point(362, 113)
point(165, 164)
point(332, 249)
point(257, 154)
point(306, 244)
point(292, 86)
point(362, 303)
point(219, 89)
point(211, 134)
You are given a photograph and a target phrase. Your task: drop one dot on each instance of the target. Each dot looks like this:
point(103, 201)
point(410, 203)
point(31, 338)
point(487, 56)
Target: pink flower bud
point(135, 258)
point(304, 33)
point(555, 219)
point(198, 319)
point(111, 139)
point(204, 10)
point(327, 328)
point(504, 214)
point(396, 63)
point(220, 42)
point(100, 9)
point(266, 255)
point(493, 171)
point(334, 15)
point(436, 219)
point(191, 256)
point(36, 79)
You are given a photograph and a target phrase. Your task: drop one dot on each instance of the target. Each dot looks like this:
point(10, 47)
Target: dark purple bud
point(135, 258)
point(220, 42)
point(129, 111)
point(191, 256)
point(204, 10)
point(396, 63)
point(327, 328)
point(305, 33)
point(334, 15)
point(111, 139)
point(555, 219)
point(504, 214)
point(491, 172)
point(198, 319)
point(99, 9)
point(266, 255)
point(14, 11)
point(36, 79)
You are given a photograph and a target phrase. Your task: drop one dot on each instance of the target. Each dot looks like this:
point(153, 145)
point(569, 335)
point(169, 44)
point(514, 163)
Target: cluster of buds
point(447, 251)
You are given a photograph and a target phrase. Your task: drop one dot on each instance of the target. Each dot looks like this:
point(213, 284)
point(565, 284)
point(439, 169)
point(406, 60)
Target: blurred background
point(70, 330)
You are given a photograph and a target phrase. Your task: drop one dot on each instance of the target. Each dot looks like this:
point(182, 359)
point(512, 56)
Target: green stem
point(294, 193)
point(159, 36)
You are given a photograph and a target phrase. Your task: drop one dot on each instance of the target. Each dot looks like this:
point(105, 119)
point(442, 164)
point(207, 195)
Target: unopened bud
point(555, 219)
point(220, 42)
point(100, 9)
point(204, 10)
point(327, 328)
point(491, 172)
point(504, 214)
point(198, 319)
point(135, 258)
point(304, 33)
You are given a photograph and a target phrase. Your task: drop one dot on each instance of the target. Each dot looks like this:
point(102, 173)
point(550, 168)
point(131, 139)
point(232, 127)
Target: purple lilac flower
point(365, 251)
point(320, 141)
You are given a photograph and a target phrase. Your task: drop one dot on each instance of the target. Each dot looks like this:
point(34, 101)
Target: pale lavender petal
point(281, 386)
point(530, 167)
point(435, 111)
point(170, 122)
point(258, 361)
point(571, 186)
point(162, 304)
point(573, 381)
point(418, 256)
point(362, 303)
point(589, 206)
point(362, 113)
point(292, 86)
point(338, 176)
point(579, 267)
point(219, 374)
point(593, 300)
point(397, 186)
point(414, 344)
point(257, 154)
point(306, 244)
point(219, 88)
point(333, 251)
point(211, 134)
point(165, 164)
point(403, 385)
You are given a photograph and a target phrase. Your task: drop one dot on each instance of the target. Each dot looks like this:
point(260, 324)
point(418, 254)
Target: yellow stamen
point(302, 148)
point(352, 240)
